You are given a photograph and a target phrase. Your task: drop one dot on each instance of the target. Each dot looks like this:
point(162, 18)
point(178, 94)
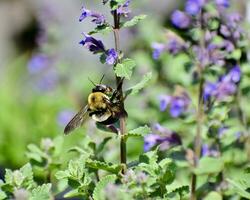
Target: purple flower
point(98, 19)
point(161, 136)
point(95, 46)
point(64, 117)
point(222, 131)
point(158, 48)
point(193, 7)
point(164, 101)
point(38, 62)
point(180, 19)
point(48, 81)
point(223, 3)
point(235, 74)
point(209, 90)
point(174, 46)
point(111, 57)
point(209, 151)
point(178, 103)
point(85, 13)
point(124, 9)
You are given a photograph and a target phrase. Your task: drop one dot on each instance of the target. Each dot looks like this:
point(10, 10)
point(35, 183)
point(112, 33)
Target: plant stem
point(116, 28)
point(198, 140)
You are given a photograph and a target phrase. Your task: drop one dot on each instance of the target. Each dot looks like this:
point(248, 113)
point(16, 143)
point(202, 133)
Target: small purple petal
point(193, 7)
point(38, 63)
point(85, 13)
point(164, 101)
point(180, 19)
point(158, 48)
point(112, 56)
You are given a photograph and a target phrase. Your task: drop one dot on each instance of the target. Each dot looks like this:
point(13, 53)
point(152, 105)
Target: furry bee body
point(104, 106)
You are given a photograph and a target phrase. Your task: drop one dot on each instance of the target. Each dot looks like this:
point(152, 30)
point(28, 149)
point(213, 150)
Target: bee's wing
point(77, 120)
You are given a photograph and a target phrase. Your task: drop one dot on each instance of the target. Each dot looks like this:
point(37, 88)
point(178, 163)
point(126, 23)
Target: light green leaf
point(2, 195)
point(62, 175)
point(136, 88)
point(138, 132)
point(209, 165)
point(112, 168)
point(213, 196)
point(125, 68)
point(239, 189)
point(18, 178)
point(134, 21)
point(99, 191)
point(41, 192)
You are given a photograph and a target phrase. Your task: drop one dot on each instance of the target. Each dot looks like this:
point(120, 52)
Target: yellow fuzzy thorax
point(97, 101)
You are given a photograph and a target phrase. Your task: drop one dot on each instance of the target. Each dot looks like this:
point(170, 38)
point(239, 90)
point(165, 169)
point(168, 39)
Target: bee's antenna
point(91, 81)
point(102, 78)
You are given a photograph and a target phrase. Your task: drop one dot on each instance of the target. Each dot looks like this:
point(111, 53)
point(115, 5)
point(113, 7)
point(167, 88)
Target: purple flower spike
point(180, 19)
point(98, 19)
point(112, 56)
point(85, 13)
point(95, 46)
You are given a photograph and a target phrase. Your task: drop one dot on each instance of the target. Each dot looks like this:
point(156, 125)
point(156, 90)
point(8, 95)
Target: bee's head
point(102, 88)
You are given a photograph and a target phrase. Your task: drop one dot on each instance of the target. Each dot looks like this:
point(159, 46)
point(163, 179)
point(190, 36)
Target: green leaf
point(76, 169)
point(72, 193)
point(181, 190)
point(114, 4)
point(213, 196)
point(18, 178)
point(134, 21)
point(138, 132)
point(99, 191)
point(136, 88)
point(103, 29)
point(209, 165)
point(62, 175)
point(41, 192)
point(112, 168)
point(2, 195)
point(125, 68)
point(239, 189)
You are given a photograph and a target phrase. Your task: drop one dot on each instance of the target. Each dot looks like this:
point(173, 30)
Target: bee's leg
point(116, 94)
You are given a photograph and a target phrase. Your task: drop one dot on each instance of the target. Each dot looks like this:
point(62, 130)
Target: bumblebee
point(104, 106)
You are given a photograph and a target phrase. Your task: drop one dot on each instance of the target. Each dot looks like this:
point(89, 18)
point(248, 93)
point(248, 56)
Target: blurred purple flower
point(48, 81)
point(223, 3)
point(38, 62)
point(124, 9)
point(222, 131)
point(178, 103)
point(209, 151)
point(95, 46)
point(164, 101)
point(158, 48)
point(209, 90)
point(235, 74)
point(174, 46)
point(193, 7)
point(180, 19)
point(64, 117)
point(112, 56)
point(161, 136)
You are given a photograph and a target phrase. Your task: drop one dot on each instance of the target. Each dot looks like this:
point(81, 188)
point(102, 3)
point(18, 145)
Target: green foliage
point(99, 191)
point(103, 29)
point(209, 165)
point(125, 68)
point(143, 83)
point(138, 132)
point(135, 20)
point(41, 192)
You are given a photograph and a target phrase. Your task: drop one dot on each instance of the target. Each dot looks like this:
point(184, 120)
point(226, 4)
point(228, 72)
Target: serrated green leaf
point(135, 20)
point(41, 192)
point(95, 164)
point(125, 68)
point(136, 88)
point(76, 169)
point(103, 29)
point(18, 178)
point(209, 165)
point(138, 132)
point(99, 191)
point(181, 190)
point(8, 177)
point(239, 189)
point(62, 175)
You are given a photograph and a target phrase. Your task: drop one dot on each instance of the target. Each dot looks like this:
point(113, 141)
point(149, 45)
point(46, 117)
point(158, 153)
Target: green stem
point(123, 156)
